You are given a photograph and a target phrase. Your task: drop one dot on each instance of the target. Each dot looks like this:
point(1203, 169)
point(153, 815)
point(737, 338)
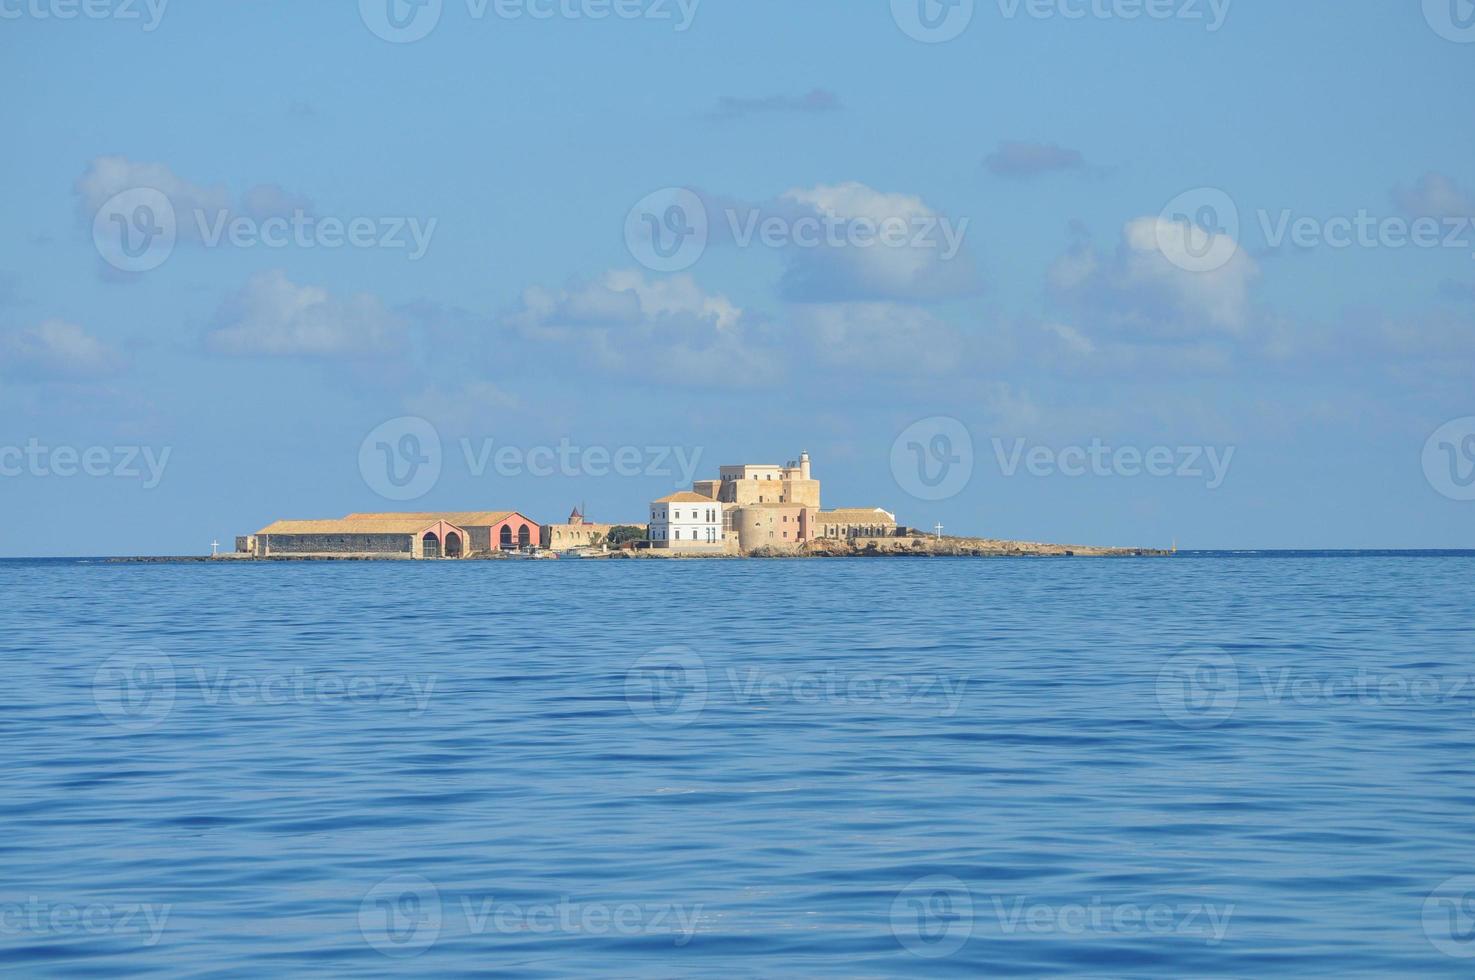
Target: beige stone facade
point(458, 534)
point(784, 527)
point(853, 523)
point(577, 533)
point(768, 507)
point(749, 484)
point(363, 537)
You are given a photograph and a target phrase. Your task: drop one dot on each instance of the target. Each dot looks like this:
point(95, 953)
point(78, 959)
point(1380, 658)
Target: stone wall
point(562, 537)
point(781, 527)
point(338, 544)
point(746, 492)
point(481, 539)
point(849, 530)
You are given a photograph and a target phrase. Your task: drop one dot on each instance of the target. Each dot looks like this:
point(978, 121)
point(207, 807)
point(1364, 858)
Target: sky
point(1116, 272)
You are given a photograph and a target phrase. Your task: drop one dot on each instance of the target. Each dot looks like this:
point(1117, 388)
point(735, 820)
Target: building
point(770, 524)
point(408, 536)
point(490, 530)
point(689, 522)
point(856, 523)
point(750, 484)
point(765, 506)
point(577, 533)
point(379, 538)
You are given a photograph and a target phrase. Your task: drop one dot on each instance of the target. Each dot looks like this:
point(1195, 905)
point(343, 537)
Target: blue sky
point(239, 380)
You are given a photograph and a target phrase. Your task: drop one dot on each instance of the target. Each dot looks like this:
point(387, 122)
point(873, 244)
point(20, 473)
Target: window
point(678, 534)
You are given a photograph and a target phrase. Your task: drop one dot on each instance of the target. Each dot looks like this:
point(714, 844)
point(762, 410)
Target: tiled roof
point(856, 515)
point(403, 524)
point(685, 497)
point(463, 518)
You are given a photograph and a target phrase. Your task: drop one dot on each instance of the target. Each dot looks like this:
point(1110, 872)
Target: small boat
point(530, 553)
point(577, 553)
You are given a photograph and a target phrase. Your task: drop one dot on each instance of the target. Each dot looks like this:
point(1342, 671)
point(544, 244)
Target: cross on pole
point(938, 529)
point(214, 549)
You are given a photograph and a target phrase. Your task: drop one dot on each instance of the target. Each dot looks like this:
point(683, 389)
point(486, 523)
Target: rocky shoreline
point(911, 547)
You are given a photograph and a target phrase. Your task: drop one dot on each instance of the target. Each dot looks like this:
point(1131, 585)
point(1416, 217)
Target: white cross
point(214, 549)
point(938, 529)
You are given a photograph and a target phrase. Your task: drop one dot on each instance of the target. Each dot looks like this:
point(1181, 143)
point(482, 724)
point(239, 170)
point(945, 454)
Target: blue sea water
point(1208, 765)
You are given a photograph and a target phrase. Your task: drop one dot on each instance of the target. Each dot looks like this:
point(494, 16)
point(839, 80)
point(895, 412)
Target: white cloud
point(107, 176)
point(272, 315)
point(110, 175)
point(1435, 196)
point(1165, 281)
point(930, 261)
point(881, 338)
point(676, 296)
point(56, 350)
point(853, 199)
point(669, 328)
point(1071, 339)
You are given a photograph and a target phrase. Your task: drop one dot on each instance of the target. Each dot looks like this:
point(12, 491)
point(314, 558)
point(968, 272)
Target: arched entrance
point(430, 545)
point(523, 537)
point(504, 540)
point(453, 545)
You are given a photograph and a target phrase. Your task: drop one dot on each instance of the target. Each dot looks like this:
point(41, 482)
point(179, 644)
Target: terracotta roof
point(685, 497)
point(856, 515)
point(463, 518)
point(404, 524)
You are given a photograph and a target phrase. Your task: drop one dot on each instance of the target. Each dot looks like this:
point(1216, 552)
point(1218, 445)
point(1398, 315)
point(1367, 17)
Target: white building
point(687, 521)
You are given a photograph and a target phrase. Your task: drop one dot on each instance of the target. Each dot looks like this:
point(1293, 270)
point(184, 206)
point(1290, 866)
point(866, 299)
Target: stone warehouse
point(410, 536)
point(760, 506)
point(489, 530)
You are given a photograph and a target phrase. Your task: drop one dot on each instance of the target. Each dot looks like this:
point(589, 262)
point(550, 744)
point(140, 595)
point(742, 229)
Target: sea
point(1214, 764)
